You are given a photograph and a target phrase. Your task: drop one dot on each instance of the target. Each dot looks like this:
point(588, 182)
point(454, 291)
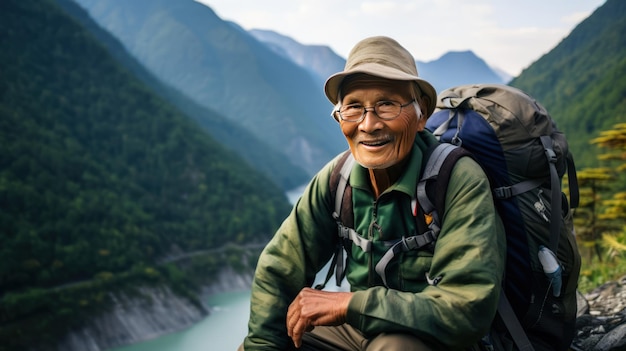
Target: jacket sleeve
point(468, 263)
point(299, 249)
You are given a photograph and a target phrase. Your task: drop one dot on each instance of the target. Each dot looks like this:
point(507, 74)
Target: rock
point(614, 340)
point(601, 318)
point(156, 311)
point(132, 319)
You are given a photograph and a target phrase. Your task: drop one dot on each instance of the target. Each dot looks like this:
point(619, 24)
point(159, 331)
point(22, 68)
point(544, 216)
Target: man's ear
point(421, 123)
point(425, 106)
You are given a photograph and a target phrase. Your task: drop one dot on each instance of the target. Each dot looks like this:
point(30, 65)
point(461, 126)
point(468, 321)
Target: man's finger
point(293, 313)
point(292, 320)
point(300, 327)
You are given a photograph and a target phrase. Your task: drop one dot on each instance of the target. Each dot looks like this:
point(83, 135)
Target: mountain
point(504, 76)
point(456, 68)
point(320, 60)
point(453, 68)
point(221, 66)
point(258, 154)
point(101, 179)
point(581, 81)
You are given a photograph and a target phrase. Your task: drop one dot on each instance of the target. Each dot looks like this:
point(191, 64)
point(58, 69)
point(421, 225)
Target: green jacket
point(467, 264)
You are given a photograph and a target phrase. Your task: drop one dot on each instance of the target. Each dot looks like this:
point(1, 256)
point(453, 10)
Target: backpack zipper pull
point(540, 206)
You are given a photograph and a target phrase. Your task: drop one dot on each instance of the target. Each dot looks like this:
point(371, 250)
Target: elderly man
point(443, 298)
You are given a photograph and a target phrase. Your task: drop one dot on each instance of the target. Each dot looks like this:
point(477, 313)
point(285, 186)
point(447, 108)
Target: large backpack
point(518, 145)
point(516, 142)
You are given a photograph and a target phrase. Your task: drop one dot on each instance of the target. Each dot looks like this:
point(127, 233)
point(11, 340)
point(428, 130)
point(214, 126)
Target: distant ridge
point(457, 68)
point(321, 60)
point(453, 68)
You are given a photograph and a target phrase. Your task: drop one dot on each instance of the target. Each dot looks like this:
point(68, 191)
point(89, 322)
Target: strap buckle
point(503, 192)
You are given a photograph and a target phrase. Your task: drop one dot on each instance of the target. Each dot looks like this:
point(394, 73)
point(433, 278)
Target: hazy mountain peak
point(320, 60)
point(456, 68)
point(452, 68)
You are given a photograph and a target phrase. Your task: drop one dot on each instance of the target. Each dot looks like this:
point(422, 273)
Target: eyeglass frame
point(336, 112)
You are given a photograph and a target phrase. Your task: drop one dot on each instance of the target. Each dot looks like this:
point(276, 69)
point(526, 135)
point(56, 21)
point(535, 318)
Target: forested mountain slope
point(581, 81)
point(223, 67)
point(99, 176)
point(258, 154)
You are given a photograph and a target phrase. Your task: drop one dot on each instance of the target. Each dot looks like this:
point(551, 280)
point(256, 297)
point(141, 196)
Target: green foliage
point(580, 82)
point(601, 217)
point(610, 265)
point(234, 137)
point(49, 313)
point(100, 177)
point(615, 141)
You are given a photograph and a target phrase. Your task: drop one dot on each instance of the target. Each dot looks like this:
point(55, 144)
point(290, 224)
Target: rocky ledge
point(601, 322)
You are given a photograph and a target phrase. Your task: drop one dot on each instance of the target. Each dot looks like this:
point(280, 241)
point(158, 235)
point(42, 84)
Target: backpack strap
point(441, 160)
point(555, 191)
point(339, 181)
point(573, 181)
point(505, 192)
point(341, 192)
point(435, 171)
point(513, 325)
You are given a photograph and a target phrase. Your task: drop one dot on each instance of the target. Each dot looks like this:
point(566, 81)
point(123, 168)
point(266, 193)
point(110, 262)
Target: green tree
point(592, 182)
point(601, 217)
point(614, 209)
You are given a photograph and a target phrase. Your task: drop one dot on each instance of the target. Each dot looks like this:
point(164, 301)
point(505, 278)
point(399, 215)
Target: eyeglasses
point(385, 110)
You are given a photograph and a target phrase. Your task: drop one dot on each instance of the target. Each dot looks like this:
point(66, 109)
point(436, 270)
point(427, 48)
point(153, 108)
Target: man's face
point(377, 143)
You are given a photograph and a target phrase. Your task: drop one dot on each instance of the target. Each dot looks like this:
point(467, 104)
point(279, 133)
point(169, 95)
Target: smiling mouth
point(374, 143)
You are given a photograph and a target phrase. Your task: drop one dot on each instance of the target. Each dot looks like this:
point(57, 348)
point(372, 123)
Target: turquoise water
point(223, 330)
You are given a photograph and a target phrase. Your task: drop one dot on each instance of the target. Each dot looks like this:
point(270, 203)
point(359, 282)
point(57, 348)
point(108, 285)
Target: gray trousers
point(346, 338)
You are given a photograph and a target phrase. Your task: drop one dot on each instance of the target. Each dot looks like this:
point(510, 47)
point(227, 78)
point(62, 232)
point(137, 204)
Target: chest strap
point(397, 246)
point(406, 243)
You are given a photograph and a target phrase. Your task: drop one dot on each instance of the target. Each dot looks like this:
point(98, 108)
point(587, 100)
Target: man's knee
point(396, 342)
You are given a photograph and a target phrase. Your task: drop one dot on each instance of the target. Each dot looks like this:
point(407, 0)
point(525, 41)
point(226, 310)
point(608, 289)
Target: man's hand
point(315, 308)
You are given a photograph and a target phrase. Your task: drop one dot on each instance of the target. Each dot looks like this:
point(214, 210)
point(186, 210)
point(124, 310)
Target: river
point(223, 330)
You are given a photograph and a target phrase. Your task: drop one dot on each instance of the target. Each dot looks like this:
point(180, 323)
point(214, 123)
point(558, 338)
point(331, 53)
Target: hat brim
point(331, 87)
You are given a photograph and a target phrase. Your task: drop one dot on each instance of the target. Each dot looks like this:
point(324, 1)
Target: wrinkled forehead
point(365, 81)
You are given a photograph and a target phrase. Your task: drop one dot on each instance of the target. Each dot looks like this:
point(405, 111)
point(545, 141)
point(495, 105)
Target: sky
point(507, 34)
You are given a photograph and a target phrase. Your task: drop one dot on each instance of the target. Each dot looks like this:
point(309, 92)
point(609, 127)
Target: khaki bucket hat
point(380, 57)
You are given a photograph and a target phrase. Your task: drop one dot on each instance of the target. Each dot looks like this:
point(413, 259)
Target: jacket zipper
point(370, 236)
